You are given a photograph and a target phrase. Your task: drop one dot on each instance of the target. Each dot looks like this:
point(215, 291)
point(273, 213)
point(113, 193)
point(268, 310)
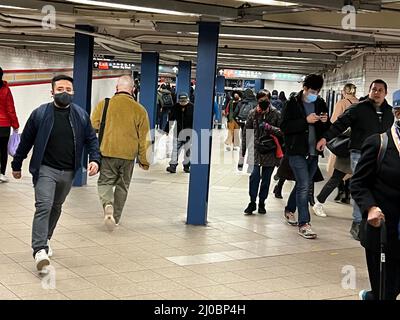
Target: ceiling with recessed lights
point(266, 35)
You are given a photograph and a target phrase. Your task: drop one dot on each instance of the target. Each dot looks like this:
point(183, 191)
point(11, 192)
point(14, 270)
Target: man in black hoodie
point(370, 116)
point(182, 113)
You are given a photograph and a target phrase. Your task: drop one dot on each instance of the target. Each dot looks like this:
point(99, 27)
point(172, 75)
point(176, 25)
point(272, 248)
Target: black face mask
point(264, 105)
point(63, 99)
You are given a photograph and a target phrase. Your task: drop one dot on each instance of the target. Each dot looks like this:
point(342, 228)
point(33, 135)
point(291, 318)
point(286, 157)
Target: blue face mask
point(311, 97)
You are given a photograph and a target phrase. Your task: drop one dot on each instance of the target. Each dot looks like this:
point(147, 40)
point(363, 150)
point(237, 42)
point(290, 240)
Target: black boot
point(278, 189)
point(355, 230)
point(250, 208)
point(346, 196)
point(261, 208)
point(311, 199)
point(186, 169)
point(340, 194)
point(171, 168)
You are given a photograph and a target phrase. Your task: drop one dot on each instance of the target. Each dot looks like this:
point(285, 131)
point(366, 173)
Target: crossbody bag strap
point(382, 150)
point(103, 120)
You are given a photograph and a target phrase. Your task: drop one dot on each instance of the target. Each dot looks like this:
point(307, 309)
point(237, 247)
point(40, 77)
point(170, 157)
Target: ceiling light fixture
point(245, 36)
point(270, 2)
point(16, 8)
point(130, 7)
point(273, 38)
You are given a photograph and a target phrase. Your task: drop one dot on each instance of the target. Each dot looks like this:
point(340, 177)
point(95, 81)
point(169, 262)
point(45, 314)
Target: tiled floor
point(153, 254)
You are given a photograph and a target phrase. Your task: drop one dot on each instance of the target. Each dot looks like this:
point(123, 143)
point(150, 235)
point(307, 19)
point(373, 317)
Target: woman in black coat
point(376, 190)
point(262, 124)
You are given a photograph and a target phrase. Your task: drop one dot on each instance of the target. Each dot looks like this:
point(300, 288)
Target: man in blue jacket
point(58, 132)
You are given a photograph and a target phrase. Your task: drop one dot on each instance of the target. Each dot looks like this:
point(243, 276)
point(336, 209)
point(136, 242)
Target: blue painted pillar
point(259, 84)
point(184, 77)
point(204, 100)
point(149, 84)
point(220, 87)
point(82, 74)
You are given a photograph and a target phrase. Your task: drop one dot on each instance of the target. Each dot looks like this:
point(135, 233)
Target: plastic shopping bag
point(161, 148)
point(13, 143)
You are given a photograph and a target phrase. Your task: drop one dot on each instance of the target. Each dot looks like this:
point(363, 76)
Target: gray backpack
point(245, 108)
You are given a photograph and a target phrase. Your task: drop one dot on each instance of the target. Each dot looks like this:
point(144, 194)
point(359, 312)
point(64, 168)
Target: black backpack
point(245, 108)
point(166, 100)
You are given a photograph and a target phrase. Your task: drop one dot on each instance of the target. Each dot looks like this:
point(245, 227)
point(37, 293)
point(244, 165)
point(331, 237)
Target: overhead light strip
point(270, 2)
point(130, 7)
point(245, 36)
point(14, 7)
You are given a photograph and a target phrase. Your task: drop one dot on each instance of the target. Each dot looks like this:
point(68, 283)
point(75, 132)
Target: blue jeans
point(354, 158)
point(304, 169)
point(164, 120)
point(254, 183)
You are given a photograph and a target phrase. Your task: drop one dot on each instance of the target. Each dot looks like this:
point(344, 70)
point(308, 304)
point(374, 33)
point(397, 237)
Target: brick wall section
point(27, 98)
point(365, 69)
point(351, 72)
point(27, 59)
point(385, 67)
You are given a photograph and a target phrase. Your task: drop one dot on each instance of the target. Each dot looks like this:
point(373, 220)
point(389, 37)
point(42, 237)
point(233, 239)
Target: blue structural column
point(204, 99)
point(83, 66)
point(220, 87)
point(259, 84)
point(183, 78)
point(148, 85)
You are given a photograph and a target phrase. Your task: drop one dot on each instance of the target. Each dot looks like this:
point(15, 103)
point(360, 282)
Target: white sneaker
point(306, 232)
point(109, 220)
point(41, 259)
point(49, 251)
point(363, 294)
point(318, 209)
point(3, 178)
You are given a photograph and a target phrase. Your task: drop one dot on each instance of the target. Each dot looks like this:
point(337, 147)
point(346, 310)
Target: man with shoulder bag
point(370, 116)
point(262, 126)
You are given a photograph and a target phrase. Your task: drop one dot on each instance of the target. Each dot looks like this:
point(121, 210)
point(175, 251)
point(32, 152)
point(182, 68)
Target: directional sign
point(112, 65)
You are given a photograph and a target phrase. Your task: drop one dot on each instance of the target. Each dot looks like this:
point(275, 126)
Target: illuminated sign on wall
point(112, 65)
point(249, 74)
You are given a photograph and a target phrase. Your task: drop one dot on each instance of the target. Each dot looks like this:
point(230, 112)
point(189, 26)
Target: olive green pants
point(115, 173)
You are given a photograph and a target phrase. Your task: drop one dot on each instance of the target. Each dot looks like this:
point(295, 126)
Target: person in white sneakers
point(339, 167)
point(8, 119)
point(58, 132)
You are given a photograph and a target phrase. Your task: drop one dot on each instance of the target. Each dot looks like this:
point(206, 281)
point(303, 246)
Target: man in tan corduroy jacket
point(125, 138)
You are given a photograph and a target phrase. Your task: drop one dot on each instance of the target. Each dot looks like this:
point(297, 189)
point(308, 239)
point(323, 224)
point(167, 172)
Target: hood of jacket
point(248, 95)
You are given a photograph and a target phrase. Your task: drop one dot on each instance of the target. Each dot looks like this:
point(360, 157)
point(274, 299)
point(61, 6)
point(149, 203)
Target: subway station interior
point(184, 236)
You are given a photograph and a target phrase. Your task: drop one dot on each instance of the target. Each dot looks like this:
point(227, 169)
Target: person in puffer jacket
point(8, 119)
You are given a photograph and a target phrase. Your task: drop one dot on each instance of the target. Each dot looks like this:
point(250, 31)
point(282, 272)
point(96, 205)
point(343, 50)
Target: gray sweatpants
point(51, 189)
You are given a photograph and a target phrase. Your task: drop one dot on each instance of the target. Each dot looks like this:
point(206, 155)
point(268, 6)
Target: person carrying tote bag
point(8, 119)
